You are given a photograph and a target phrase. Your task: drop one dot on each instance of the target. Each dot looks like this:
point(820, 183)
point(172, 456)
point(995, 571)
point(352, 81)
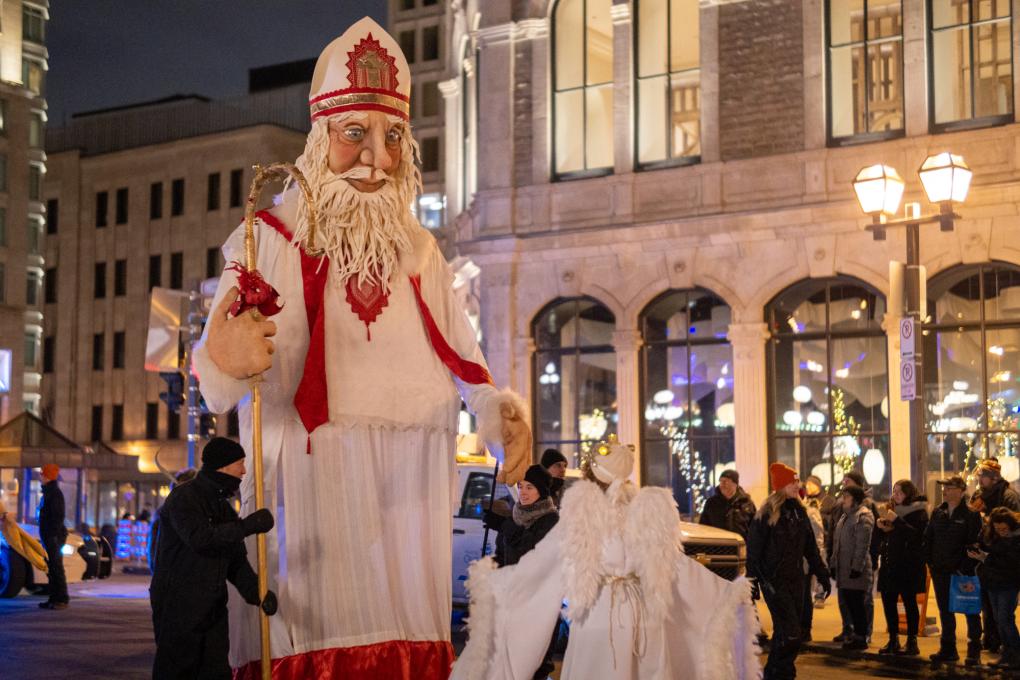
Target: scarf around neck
point(526, 515)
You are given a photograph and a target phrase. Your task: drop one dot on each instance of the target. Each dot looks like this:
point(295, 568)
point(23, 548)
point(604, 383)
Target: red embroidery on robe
point(366, 300)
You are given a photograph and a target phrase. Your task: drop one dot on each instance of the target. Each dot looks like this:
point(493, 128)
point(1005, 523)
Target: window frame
point(121, 206)
point(670, 161)
point(574, 350)
point(967, 123)
point(828, 336)
point(644, 397)
point(586, 172)
point(982, 324)
point(864, 137)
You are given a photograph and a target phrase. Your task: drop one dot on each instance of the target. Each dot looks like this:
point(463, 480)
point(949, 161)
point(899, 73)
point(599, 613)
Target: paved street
point(106, 633)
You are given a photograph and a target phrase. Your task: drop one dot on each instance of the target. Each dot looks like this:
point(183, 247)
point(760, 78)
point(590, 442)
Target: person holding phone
point(999, 555)
point(901, 576)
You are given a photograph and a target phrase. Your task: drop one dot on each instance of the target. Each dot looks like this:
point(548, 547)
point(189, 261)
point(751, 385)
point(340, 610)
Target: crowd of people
point(804, 538)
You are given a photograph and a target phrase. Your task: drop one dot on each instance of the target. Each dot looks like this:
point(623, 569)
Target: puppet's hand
point(239, 346)
point(516, 445)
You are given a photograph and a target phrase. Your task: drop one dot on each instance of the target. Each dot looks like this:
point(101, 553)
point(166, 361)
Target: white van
point(721, 551)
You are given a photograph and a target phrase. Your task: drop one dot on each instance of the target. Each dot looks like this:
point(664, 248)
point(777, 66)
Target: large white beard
point(362, 233)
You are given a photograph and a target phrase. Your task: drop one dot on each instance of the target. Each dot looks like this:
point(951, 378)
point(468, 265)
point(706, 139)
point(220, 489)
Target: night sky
point(107, 53)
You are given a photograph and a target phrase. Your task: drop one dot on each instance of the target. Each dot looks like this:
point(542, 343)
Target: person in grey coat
point(851, 561)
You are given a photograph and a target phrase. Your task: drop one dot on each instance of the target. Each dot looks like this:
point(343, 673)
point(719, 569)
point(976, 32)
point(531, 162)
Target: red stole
point(311, 399)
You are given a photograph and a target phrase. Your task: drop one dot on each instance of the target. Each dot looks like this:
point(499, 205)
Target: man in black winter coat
point(52, 534)
point(730, 508)
point(993, 492)
point(200, 548)
point(953, 527)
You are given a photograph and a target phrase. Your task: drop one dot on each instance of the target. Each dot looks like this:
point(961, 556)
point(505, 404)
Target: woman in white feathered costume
point(639, 608)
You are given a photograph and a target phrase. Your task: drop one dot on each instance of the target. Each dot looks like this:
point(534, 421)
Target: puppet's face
point(370, 143)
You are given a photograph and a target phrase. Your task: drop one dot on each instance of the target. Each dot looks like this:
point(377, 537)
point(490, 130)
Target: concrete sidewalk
point(827, 624)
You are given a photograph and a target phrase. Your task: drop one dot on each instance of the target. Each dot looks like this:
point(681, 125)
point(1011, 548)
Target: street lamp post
point(879, 188)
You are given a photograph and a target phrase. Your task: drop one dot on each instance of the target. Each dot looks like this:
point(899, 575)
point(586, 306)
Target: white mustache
point(367, 174)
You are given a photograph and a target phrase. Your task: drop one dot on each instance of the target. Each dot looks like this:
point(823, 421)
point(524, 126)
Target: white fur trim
point(651, 534)
point(473, 663)
point(586, 516)
point(490, 422)
point(733, 621)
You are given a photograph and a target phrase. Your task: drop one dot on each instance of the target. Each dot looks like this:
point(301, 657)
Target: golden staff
point(262, 176)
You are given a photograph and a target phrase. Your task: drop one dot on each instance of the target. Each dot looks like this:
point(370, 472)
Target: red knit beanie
point(781, 475)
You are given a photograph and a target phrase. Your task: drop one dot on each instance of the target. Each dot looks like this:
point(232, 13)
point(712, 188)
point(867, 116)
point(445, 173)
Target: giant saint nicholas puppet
point(365, 367)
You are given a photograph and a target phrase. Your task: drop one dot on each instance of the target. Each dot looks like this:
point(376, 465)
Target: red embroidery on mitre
point(366, 300)
point(253, 293)
point(369, 65)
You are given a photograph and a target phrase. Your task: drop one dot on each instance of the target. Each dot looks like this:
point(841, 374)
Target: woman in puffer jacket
point(901, 575)
point(1000, 577)
point(851, 562)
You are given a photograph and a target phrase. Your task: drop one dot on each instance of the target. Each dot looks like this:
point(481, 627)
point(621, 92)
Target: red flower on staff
point(253, 292)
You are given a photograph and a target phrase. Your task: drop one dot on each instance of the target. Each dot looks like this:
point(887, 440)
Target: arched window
point(573, 376)
point(686, 394)
point(668, 78)
point(828, 382)
point(972, 368)
point(582, 87)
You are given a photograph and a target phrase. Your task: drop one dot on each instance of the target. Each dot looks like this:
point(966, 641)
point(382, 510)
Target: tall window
point(3, 172)
point(31, 351)
point(117, 426)
point(668, 81)
point(155, 200)
point(49, 353)
point(36, 125)
point(177, 271)
point(828, 382)
point(865, 68)
point(50, 281)
point(430, 43)
point(102, 206)
point(212, 199)
point(33, 75)
point(35, 174)
point(122, 206)
point(235, 187)
point(155, 271)
point(33, 284)
point(152, 420)
point(98, 351)
point(972, 368)
point(120, 278)
point(97, 422)
point(34, 235)
point(582, 87)
point(177, 197)
point(970, 62)
point(99, 281)
point(52, 216)
point(212, 263)
point(119, 341)
point(33, 24)
point(686, 394)
point(574, 376)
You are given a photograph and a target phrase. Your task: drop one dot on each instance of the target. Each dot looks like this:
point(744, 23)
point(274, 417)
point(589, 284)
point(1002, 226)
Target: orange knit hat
point(50, 470)
point(781, 475)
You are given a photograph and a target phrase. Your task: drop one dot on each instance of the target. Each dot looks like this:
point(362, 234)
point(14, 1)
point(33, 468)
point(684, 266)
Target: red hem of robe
point(392, 660)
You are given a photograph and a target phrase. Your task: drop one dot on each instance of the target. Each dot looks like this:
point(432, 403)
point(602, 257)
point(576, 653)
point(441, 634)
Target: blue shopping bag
point(964, 594)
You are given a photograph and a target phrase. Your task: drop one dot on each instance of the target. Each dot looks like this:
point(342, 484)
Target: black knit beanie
point(551, 456)
point(221, 452)
point(539, 478)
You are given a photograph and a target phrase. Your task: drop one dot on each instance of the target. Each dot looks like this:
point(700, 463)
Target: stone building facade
point(23, 217)
point(146, 196)
point(710, 292)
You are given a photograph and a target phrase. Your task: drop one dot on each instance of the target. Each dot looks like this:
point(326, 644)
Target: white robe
point(640, 609)
point(361, 552)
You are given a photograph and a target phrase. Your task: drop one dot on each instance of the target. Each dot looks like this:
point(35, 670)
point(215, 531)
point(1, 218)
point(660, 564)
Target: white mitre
point(362, 70)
